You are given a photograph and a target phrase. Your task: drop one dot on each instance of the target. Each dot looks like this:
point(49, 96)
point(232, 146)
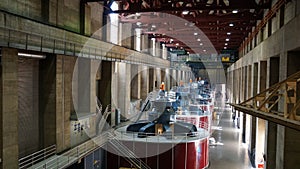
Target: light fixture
point(177, 44)
point(228, 33)
point(226, 44)
point(198, 39)
point(153, 26)
point(195, 33)
point(31, 55)
point(201, 44)
point(231, 24)
point(225, 47)
point(204, 50)
point(138, 23)
point(185, 12)
point(227, 39)
point(235, 11)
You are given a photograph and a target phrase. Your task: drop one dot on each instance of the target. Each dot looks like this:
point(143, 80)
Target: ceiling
point(198, 26)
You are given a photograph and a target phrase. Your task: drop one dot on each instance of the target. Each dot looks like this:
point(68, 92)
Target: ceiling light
point(228, 33)
point(192, 24)
point(177, 44)
point(235, 11)
point(201, 44)
point(226, 44)
point(198, 39)
point(225, 47)
point(195, 33)
point(138, 23)
point(204, 50)
point(227, 39)
point(231, 24)
point(185, 12)
point(153, 26)
point(32, 55)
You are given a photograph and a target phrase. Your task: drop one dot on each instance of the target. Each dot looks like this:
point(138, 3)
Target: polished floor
point(228, 151)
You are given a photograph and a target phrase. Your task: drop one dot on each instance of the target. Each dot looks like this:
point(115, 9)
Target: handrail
point(69, 157)
point(122, 149)
point(22, 39)
point(263, 22)
point(37, 156)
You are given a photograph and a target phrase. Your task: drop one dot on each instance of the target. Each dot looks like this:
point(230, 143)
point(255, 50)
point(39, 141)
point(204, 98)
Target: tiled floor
point(229, 151)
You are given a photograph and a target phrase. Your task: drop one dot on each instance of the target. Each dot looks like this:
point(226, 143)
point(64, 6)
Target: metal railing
point(36, 157)
point(68, 43)
point(125, 152)
point(71, 156)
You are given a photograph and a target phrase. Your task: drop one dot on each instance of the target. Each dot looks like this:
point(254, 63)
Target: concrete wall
point(9, 148)
point(277, 58)
point(28, 107)
point(31, 9)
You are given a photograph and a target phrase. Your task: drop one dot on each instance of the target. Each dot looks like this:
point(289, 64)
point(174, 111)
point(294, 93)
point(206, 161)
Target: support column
point(47, 101)
point(144, 82)
point(104, 84)
point(167, 77)
point(271, 131)
point(163, 76)
point(151, 79)
point(123, 94)
point(9, 109)
point(288, 140)
point(158, 77)
point(135, 83)
point(64, 105)
point(261, 124)
point(244, 95)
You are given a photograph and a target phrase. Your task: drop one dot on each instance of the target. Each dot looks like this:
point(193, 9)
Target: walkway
point(229, 151)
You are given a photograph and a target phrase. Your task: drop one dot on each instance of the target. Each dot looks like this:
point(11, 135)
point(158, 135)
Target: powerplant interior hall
point(149, 84)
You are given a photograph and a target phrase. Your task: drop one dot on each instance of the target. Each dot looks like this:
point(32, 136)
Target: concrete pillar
point(64, 104)
point(288, 140)
point(178, 79)
point(145, 43)
point(271, 142)
point(144, 82)
point(163, 76)
point(105, 83)
point(244, 95)
point(158, 50)
point(135, 82)
point(151, 79)
point(235, 85)
point(173, 79)
point(167, 79)
point(84, 86)
point(47, 101)
point(9, 109)
point(158, 77)
point(271, 131)
point(123, 94)
point(261, 124)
